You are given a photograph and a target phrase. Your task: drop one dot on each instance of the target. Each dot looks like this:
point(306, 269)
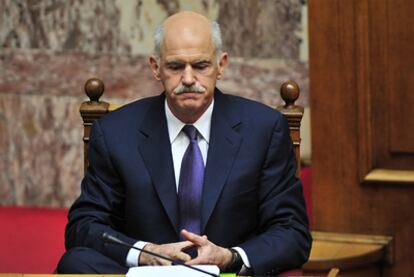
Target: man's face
point(188, 70)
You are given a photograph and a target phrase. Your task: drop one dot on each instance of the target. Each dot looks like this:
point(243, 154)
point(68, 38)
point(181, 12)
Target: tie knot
point(190, 131)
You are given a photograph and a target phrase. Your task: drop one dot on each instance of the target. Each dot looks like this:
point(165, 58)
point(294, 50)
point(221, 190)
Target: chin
point(191, 107)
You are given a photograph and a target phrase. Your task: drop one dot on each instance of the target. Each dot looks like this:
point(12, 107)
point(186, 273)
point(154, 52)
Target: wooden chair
point(94, 109)
point(330, 251)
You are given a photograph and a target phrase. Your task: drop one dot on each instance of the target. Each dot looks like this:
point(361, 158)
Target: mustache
point(197, 88)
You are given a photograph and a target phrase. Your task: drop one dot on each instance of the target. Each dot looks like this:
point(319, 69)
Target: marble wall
point(49, 48)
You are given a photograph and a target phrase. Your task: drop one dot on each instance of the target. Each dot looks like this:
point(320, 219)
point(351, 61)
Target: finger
point(184, 257)
point(196, 261)
point(184, 244)
point(196, 239)
point(189, 246)
point(164, 262)
point(157, 261)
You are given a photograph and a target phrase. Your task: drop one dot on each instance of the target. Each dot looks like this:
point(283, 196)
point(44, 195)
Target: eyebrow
point(183, 62)
point(174, 63)
point(201, 61)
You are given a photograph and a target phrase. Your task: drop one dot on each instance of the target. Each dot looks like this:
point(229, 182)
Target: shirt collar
point(203, 124)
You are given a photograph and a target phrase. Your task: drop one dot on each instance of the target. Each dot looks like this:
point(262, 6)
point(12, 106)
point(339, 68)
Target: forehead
point(187, 41)
point(187, 49)
point(190, 56)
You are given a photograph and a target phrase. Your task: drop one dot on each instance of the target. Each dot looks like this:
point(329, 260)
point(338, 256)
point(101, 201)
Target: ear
point(155, 68)
point(224, 60)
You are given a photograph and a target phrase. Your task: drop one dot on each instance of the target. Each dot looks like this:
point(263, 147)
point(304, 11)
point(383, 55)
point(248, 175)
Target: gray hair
point(215, 35)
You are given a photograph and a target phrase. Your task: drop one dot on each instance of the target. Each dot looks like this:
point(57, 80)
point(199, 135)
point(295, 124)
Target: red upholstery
point(31, 239)
point(306, 176)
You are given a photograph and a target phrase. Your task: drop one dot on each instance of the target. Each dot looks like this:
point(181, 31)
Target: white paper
point(171, 271)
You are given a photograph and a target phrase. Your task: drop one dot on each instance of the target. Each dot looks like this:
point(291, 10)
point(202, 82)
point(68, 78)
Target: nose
point(188, 76)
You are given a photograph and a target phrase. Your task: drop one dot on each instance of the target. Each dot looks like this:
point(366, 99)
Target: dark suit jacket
point(251, 197)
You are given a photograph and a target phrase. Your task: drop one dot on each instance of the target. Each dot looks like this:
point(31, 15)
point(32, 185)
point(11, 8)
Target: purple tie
point(191, 184)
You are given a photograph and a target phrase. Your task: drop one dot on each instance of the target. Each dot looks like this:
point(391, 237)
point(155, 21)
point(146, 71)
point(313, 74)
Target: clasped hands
point(208, 252)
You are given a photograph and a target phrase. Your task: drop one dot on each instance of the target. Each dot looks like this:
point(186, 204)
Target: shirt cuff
point(243, 256)
point(133, 254)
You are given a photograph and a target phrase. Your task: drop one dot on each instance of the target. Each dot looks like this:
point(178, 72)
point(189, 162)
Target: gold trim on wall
point(390, 176)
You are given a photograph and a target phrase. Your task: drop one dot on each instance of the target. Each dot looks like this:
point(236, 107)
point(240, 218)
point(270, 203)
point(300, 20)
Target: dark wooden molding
point(361, 46)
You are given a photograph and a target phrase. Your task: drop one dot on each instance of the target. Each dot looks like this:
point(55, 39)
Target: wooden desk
point(353, 254)
point(332, 273)
point(55, 275)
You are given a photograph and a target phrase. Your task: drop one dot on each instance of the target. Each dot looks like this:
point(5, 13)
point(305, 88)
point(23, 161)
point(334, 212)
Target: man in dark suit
point(192, 168)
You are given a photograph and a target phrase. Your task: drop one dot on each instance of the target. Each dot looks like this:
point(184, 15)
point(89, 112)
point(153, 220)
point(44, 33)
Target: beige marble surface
point(40, 149)
point(262, 28)
point(48, 49)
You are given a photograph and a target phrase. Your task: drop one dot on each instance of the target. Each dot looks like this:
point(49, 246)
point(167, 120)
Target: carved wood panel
point(385, 76)
point(361, 81)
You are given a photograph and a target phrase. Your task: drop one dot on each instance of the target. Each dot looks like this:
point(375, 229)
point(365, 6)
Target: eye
point(175, 66)
point(201, 65)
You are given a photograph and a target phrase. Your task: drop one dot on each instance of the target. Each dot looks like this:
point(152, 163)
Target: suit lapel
point(155, 149)
point(223, 148)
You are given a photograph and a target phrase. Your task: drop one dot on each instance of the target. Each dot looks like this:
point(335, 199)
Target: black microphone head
point(106, 236)
point(112, 239)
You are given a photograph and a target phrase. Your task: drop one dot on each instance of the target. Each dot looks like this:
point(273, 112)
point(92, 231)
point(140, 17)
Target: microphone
point(111, 239)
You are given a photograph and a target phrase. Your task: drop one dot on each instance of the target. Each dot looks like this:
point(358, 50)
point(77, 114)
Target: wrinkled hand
point(171, 250)
point(208, 252)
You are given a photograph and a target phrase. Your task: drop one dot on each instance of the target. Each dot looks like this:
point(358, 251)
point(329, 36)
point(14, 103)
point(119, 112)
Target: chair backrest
point(94, 109)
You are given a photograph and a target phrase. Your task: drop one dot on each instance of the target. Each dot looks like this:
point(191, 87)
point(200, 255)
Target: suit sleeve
point(283, 240)
point(99, 208)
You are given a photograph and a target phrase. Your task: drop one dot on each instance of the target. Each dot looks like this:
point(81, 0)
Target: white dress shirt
point(179, 143)
point(179, 140)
